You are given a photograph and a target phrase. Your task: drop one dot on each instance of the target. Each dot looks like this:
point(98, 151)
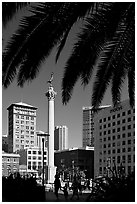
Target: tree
point(106, 43)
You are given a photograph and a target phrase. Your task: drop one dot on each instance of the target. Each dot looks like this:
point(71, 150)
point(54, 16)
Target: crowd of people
point(76, 187)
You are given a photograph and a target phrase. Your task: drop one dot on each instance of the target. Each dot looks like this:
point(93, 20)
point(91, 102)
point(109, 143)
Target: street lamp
point(42, 134)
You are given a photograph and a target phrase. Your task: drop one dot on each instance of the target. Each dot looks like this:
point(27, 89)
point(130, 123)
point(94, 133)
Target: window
point(123, 142)
point(39, 152)
point(118, 122)
point(100, 127)
point(29, 152)
point(109, 131)
point(100, 120)
point(129, 158)
point(105, 126)
point(113, 123)
point(100, 133)
point(123, 128)
point(123, 158)
point(109, 152)
point(29, 157)
point(32, 128)
point(104, 146)
point(32, 118)
point(113, 116)
point(118, 129)
point(27, 127)
point(118, 150)
point(113, 144)
point(22, 117)
point(104, 132)
point(118, 137)
point(129, 127)
point(124, 120)
point(34, 158)
point(109, 138)
point(129, 141)
point(104, 139)
point(113, 137)
point(17, 121)
point(129, 112)
point(22, 121)
point(129, 134)
point(129, 119)
point(27, 117)
point(118, 115)
point(129, 149)
point(27, 132)
point(109, 145)
point(32, 133)
point(109, 124)
point(123, 114)
point(123, 149)
point(113, 130)
point(39, 158)
point(109, 118)
point(34, 152)
point(118, 144)
point(123, 135)
point(104, 119)
point(118, 159)
point(113, 151)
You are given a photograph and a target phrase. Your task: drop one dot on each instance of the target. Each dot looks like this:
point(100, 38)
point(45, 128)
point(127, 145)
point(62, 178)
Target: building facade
point(32, 158)
point(83, 158)
point(88, 126)
point(10, 163)
point(61, 138)
point(5, 143)
point(21, 126)
point(114, 132)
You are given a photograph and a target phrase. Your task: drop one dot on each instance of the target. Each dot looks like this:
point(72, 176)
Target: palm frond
point(37, 35)
point(9, 9)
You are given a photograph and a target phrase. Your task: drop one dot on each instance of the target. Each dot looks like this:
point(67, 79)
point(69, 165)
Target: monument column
point(51, 170)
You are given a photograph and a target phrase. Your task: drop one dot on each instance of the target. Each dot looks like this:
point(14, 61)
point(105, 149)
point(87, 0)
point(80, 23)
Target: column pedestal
point(50, 174)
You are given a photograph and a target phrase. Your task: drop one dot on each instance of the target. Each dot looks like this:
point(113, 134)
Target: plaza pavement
point(50, 197)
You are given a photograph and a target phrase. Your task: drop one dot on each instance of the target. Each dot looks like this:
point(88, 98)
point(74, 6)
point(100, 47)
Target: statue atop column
point(51, 93)
point(51, 79)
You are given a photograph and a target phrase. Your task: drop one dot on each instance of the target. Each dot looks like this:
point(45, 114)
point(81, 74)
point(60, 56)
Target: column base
point(50, 174)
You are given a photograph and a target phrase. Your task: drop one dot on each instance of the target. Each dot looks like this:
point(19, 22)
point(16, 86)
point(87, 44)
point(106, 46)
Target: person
point(75, 188)
point(88, 184)
point(65, 190)
point(57, 185)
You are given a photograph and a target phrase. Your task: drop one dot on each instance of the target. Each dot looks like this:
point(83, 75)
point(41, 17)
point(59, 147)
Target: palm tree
point(106, 43)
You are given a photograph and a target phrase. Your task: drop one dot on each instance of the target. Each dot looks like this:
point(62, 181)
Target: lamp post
point(42, 134)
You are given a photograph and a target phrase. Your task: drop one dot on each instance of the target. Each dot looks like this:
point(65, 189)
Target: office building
point(21, 126)
point(88, 125)
point(61, 138)
point(81, 158)
point(114, 130)
point(10, 163)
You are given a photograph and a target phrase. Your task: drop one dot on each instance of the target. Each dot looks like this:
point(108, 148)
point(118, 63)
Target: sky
point(34, 93)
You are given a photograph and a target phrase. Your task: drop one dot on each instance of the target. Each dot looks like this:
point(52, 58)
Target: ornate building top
point(51, 93)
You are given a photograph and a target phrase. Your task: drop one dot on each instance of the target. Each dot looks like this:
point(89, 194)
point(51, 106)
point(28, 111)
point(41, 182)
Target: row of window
point(119, 150)
point(129, 170)
point(36, 152)
point(116, 116)
point(114, 137)
point(118, 159)
point(118, 129)
point(5, 159)
point(25, 117)
point(118, 143)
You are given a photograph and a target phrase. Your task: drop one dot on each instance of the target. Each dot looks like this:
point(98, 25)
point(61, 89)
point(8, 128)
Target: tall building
point(21, 126)
point(114, 132)
point(88, 125)
point(61, 138)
